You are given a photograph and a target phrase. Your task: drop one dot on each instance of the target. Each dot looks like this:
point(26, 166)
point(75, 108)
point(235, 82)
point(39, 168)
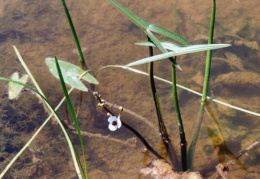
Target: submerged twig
point(223, 168)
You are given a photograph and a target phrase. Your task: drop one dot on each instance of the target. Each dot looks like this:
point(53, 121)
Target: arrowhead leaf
point(71, 74)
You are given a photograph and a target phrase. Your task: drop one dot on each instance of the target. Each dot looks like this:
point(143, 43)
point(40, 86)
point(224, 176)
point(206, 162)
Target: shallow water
point(39, 29)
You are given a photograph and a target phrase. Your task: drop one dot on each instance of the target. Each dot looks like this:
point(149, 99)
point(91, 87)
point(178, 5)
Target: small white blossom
point(114, 123)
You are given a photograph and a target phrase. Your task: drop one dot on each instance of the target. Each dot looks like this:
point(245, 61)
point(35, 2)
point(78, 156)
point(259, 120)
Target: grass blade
point(167, 33)
point(141, 23)
point(182, 51)
point(83, 62)
point(73, 152)
point(72, 114)
point(166, 45)
point(71, 146)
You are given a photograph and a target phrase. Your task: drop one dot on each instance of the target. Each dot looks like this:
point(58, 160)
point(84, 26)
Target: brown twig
point(102, 104)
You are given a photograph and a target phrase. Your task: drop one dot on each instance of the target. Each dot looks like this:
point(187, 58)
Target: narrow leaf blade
point(183, 50)
point(167, 33)
point(141, 23)
point(166, 45)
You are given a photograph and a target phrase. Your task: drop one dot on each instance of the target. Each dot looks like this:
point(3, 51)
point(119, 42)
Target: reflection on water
point(39, 29)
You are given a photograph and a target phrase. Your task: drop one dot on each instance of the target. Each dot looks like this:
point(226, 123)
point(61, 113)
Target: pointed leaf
point(167, 33)
point(15, 89)
point(71, 73)
point(183, 50)
point(141, 23)
point(159, 45)
point(166, 45)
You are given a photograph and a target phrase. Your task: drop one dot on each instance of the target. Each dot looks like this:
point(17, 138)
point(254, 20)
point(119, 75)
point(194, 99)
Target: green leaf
point(180, 51)
point(71, 74)
point(15, 89)
point(141, 23)
point(62, 81)
point(144, 25)
point(166, 45)
point(167, 33)
point(158, 44)
point(74, 34)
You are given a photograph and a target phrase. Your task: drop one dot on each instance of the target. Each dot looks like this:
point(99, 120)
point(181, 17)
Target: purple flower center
point(114, 123)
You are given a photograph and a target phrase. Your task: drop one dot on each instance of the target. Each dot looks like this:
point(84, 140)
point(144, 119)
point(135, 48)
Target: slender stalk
point(165, 137)
point(73, 151)
point(180, 86)
point(73, 115)
point(83, 62)
point(98, 97)
point(205, 90)
point(183, 142)
point(74, 34)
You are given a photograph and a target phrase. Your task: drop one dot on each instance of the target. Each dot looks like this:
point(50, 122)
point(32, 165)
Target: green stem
point(71, 145)
point(166, 140)
point(74, 34)
point(183, 142)
point(73, 115)
point(205, 90)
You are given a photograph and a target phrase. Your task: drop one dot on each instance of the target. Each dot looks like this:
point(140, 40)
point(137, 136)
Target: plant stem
point(183, 142)
point(130, 128)
point(73, 116)
point(165, 137)
point(205, 90)
point(74, 34)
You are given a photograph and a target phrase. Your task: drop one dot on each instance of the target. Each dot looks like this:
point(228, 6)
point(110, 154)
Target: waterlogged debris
point(15, 89)
point(160, 169)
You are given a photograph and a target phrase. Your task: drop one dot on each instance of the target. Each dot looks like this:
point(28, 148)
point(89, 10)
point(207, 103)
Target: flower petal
point(112, 118)
point(112, 127)
point(119, 123)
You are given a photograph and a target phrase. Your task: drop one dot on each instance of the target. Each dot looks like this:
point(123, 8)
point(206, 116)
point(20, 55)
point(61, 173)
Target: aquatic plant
point(71, 75)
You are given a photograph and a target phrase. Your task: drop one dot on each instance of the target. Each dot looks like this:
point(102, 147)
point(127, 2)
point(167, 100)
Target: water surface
point(39, 29)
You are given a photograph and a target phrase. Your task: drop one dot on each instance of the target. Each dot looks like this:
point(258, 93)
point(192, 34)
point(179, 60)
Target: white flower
point(114, 123)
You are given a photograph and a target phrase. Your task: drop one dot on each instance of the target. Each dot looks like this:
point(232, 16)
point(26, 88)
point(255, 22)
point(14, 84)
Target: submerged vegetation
point(179, 160)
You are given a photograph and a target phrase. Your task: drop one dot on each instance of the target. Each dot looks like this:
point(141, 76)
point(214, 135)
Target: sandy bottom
point(40, 30)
